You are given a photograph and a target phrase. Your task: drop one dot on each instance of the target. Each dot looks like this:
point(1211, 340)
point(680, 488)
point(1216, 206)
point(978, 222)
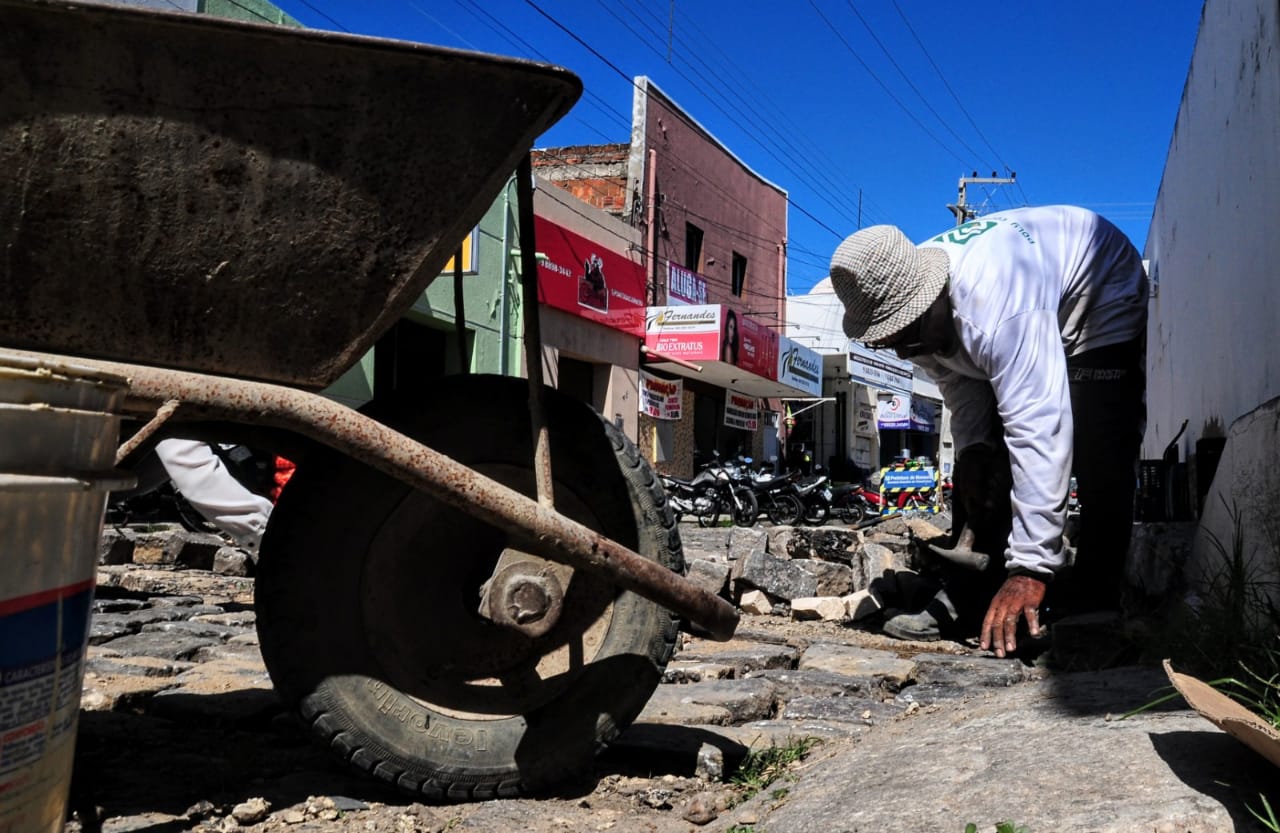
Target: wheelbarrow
point(464, 592)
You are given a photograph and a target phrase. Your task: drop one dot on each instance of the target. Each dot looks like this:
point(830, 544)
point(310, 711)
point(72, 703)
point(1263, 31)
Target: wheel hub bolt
point(528, 600)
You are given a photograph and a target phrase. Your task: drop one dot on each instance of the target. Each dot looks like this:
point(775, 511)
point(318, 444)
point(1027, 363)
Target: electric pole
point(962, 210)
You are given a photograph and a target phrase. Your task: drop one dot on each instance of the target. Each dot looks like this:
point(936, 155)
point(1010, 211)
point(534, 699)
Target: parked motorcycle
point(852, 503)
point(815, 494)
point(711, 493)
point(696, 497)
point(776, 495)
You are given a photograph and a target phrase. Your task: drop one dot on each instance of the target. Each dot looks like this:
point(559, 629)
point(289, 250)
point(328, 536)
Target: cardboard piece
point(1228, 715)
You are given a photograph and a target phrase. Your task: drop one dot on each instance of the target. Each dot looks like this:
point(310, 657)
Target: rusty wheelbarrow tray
point(229, 215)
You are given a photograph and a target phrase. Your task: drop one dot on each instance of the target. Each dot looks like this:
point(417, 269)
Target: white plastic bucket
point(58, 435)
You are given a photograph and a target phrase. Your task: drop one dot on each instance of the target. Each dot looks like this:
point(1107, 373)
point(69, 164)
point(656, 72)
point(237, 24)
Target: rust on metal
point(537, 528)
point(533, 334)
point(162, 415)
point(269, 226)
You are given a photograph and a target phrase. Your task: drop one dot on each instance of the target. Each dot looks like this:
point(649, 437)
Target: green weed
point(1001, 827)
point(1269, 821)
point(761, 767)
point(1229, 638)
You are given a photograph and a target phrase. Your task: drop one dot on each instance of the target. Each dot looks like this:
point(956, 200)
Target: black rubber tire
point(851, 512)
point(784, 510)
point(367, 595)
point(747, 510)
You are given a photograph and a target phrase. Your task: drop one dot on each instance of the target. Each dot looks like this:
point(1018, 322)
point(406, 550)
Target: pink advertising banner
point(713, 332)
point(689, 333)
point(584, 278)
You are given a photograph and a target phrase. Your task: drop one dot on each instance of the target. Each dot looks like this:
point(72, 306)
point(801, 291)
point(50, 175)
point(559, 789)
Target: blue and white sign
point(893, 412)
point(799, 366)
point(912, 478)
point(879, 369)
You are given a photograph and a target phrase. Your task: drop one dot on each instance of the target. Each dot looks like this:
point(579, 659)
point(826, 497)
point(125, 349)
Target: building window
point(664, 441)
point(739, 274)
point(576, 378)
point(693, 247)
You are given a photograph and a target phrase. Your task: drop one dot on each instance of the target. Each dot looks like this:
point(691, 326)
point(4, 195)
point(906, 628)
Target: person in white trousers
point(208, 485)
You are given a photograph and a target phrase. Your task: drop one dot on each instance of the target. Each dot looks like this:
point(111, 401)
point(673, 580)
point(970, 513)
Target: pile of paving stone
point(828, 573)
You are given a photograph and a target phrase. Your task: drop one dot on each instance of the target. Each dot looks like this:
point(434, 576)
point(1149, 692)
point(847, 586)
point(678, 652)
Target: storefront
point(729, 373)
point(591, 303)
point(898, 413)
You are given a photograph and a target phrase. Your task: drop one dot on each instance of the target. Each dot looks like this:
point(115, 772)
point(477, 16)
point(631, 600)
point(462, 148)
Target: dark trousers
point(1108, 388)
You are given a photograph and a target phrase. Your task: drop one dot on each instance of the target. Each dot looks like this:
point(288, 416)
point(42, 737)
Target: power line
point(778, 116)
point(955, 97)
point(884, 86)
point(751, 117)
point(714, 103)
point(511, 36)
point(907, 78)
point(322, 14)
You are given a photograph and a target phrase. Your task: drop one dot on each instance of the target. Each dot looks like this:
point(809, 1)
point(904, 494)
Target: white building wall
point(1213, 247)
point(1214, 258)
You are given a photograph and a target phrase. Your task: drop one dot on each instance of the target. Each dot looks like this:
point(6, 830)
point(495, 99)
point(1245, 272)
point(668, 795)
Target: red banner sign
point(589, 280)
point(758, 352)
point(660, 398)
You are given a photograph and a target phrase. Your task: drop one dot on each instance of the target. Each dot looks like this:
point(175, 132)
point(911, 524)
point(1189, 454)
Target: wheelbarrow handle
point(539, 529)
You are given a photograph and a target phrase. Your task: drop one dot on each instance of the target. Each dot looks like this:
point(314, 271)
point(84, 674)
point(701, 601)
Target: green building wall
point(492, 306)
point(491, 294)
point(252, 11)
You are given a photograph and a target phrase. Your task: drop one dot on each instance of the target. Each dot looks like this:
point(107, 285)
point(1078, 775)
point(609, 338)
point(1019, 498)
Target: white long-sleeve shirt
point(1030, 287)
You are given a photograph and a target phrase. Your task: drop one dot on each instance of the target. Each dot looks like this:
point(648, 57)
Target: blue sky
point(865, 111)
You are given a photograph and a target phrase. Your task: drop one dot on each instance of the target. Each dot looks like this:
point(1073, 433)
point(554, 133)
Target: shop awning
point(715, 344)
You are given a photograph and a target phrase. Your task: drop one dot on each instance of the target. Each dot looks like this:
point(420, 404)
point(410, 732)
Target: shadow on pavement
point(129, 764)
point(1219, 766)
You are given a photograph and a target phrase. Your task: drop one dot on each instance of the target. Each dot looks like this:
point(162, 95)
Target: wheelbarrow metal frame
point(540, 529)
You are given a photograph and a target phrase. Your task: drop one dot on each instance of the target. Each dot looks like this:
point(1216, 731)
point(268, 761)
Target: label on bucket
point(42, 642)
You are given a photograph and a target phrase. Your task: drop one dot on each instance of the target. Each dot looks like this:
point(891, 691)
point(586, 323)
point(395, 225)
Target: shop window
point(409, 354)
point(576, 378)
point(739, 274)
point(664, 440)
point(693, 248)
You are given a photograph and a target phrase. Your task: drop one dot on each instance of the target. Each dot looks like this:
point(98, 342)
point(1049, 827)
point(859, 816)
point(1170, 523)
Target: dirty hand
point(1018, 596)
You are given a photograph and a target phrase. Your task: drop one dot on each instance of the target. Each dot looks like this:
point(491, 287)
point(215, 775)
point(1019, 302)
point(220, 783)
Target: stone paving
point(177, 641)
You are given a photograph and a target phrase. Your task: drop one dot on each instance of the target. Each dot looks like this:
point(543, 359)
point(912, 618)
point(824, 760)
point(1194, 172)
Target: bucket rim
point(18, 366)
point(46, 408)
point(107, 481)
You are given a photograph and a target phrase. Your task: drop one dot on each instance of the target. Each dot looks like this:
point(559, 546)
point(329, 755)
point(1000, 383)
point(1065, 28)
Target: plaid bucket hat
point(884, 281)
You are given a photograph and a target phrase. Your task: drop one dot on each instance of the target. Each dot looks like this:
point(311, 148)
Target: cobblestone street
point(181, 728)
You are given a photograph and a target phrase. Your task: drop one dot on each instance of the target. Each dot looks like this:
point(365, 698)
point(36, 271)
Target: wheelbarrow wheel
point(368, 594)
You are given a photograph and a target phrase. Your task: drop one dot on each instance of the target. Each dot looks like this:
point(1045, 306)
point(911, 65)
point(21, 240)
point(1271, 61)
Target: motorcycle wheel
point(784, 510)
point(747, 510)
point(815, 514)
point(915, 503)
point(850, 512)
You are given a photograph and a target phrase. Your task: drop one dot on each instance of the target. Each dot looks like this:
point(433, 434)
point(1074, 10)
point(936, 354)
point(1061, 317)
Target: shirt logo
point(963, 234)
point(1096, 374)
